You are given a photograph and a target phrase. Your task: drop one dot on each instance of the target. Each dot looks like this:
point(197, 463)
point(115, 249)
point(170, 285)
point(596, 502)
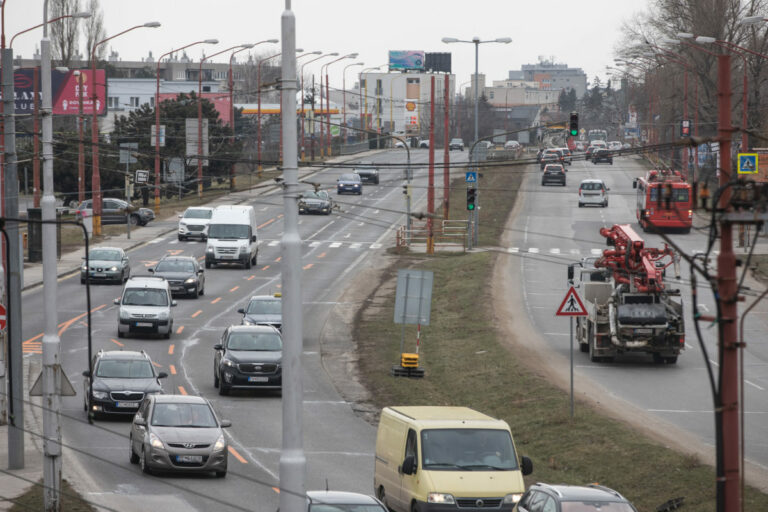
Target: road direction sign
point(471, 177)
point(747, 163)
point(142, 176)
point(3, 317)
point(571, 305)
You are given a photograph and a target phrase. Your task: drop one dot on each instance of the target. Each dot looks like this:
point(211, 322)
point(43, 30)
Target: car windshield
point(345, 507)
point(104, 255)
point(145, 297)
point(595, 506)
point(183, 415)
point(262, 341)
point(349, 177)
point(198, 214)
point(591, 186)
point(175, 266)
point(124, 369)
point(264, 307)
point(312, 195)
point(468, 449)
point(229, 231)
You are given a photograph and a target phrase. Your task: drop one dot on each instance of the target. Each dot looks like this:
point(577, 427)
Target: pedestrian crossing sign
point(571, 305)
point(747, 163)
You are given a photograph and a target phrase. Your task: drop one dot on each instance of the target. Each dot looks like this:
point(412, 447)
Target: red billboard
point(65, 91)
point(220, 100)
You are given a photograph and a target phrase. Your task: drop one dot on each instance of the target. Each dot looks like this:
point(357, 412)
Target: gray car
point(263, 310)
point(179, 433)
point(248, 356)
point(106, 264)
point(113, 211)
point(183, 274)
point(315, 202)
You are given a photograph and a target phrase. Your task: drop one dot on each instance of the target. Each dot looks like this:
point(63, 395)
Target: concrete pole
point(11, 186)
point(446, 151)
point(292, 460)
point(431, 178)
point(475, 214)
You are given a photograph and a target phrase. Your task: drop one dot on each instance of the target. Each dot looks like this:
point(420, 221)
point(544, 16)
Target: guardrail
point(447, 234)
point(351, 149)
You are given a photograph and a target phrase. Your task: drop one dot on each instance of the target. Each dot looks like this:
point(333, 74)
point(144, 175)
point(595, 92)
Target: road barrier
point(447, 235)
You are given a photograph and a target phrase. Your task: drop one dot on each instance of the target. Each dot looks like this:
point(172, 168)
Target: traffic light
point(574, 125)
point(471, 195)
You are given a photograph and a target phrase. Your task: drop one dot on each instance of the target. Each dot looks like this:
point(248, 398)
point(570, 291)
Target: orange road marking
point(217, 299)
point(157, 364)
point(66, 325)
point(278, 286)
point(308, 266)
point(280, 216)
point(265, 267)
point(170, 349)
point(180, 329)
point(278, 259)
point(251, 278)
point(175, 252)
point(149, 263)
point(173, 369)
point(116, 342)
point(276, 490)
point(237, 455)
point(201, 258)
point(196, 313)
point(234, 288)
point(321, 255)
point(182, 390)
point(270, 221)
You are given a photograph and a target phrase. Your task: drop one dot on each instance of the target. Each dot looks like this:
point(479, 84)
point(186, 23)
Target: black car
point(263, 310)
point(249, 356)
point(368, 172)
point(315, 202)
point(559, 498)
point(121, 379)
point(349, 183)
point(113, 211)
point(602, 155)
point(183, 274)
point(553, 173)
point(550, 156)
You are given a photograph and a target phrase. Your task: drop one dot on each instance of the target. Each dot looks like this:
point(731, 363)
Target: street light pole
point(328, 95)
point(344, 95)
point(258, 110)
point(303, 141)
point(80, 134)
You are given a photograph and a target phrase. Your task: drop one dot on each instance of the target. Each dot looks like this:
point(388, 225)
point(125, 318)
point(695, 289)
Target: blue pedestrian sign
point(747, 163)
point(471, 177)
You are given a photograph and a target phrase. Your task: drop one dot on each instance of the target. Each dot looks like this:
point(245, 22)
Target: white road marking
point(596, 252)
point(513, 250)
point(157, 241)
point(376, 246)
point(356, 245)
point(348, 235)
point(557, 334)
point(533, 250)
point(314, 244)
point(554, 251)
point(173, 242)
point(335, 245)
point(273, 243)
point(575, 251)
point(753, 384)
point(361, 223)
point(313, 235)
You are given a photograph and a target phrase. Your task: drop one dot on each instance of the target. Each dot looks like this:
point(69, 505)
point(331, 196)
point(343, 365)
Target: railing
point(447, 234)
point(351, 149)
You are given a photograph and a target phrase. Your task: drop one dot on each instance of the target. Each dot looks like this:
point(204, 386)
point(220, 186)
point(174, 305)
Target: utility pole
point(13, 293)
point(446, 152)
point(431, 182)
point(292, 459)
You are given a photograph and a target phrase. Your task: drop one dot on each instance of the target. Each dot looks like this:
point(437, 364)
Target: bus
point(664, 199)
point(593, 135)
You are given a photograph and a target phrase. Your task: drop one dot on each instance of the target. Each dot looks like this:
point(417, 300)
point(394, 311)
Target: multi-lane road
point(338, 443)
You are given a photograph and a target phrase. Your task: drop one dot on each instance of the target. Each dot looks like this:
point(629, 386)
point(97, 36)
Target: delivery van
point(232, 236)
point(444, 458)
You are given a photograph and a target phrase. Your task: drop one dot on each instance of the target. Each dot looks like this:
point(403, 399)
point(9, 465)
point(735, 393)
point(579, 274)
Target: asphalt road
point(550, 231)
point(338, 443)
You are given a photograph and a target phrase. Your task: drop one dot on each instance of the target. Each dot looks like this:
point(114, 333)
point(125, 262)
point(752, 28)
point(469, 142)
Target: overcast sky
point(580, 34)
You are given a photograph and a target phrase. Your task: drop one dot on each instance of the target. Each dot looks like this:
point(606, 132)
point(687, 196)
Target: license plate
point(177, 288)
point(127, 405)
point(98, 274)
point(189, 458)
point(644, 331)
point(143, 324)
point(258, 379)
point(229, 256)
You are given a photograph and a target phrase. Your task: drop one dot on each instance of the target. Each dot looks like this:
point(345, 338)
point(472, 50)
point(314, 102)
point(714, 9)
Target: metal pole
point(11, 192)
point(474, 212)
point(405, 309)
point(292, 459)
point(409, 177)
point(200, 131)
point(571, 319)
point(446, 153)
point(51, 342)
point(431, 180)
point(36, 139)
point(157, 136)
point(80, 145)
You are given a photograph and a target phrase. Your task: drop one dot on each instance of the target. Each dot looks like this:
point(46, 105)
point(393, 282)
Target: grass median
point(71, 500)
point(468, 363)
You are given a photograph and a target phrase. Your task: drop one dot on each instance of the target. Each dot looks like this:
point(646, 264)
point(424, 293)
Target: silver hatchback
point(593, 191)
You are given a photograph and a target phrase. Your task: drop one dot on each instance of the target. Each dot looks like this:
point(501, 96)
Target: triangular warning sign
point(746, 164)
point(571, 305)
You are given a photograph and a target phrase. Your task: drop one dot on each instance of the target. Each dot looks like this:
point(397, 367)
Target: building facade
point(554, 76)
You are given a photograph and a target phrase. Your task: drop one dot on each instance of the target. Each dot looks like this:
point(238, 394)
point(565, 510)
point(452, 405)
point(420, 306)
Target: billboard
point(406, 59)
point(438, 62)
point(64, 89)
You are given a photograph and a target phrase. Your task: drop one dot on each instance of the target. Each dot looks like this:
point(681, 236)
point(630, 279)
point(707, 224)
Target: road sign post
point(571, 306)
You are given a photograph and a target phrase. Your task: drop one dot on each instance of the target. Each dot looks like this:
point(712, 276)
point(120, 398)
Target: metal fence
point(447, 234)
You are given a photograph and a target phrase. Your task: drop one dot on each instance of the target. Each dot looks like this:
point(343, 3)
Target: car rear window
point(591, 186)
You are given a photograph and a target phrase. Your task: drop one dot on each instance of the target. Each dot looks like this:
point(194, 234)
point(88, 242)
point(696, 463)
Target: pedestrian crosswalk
point(331, 244)
point(555, 251)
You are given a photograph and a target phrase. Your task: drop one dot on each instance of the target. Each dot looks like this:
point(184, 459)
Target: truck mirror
point(409, 465)
point(527, 465)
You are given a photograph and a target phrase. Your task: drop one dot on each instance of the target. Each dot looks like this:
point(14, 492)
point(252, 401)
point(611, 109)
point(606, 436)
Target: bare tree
point(65, 34)
point(94, 30)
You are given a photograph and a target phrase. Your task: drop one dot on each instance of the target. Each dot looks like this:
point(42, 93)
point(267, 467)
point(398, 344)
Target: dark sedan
point(183, 274)
point(315, 202)
point(602, 155)
point(553, 173)
point(349, 183)
point(263, 310)
point(368, 172)
point(249, 356)
point(114, 211)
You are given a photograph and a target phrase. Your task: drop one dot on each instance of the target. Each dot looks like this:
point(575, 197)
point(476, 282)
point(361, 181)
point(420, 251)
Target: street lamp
point(301, 73)
point(344, 95)
point(752, 20)
point(157, 115)
point(328, 102)
point(96, 178)
point(360, 82)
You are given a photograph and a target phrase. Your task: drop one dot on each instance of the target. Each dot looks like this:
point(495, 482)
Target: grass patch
point(468, 364)
point(71, 501)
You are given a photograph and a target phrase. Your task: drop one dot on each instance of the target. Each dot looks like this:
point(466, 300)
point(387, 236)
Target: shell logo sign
point(410, 106)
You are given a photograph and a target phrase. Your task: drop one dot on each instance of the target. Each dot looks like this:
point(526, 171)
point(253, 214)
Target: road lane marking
point(217, 299)
point(554, 251)
point(533, 250)
point(376, 246)
point(335, 245)
point(66, 325)
point(270, 221)
point(276, 490)
point(278, 259)
point(753, 384)
point(356, 245)
point(265, 267)
point(174, 252)
point(196, 313)
point(251, 278)
point(173, 369)
point(280, 216)
point(314, 244)
point(234, 288)
point(116, 342)
point(321, 255)
point(308, 266)
point(273, 243)
point(182, 390)
point(180, 329)
point(170, 349)
point(596, 252)
point(237, 455)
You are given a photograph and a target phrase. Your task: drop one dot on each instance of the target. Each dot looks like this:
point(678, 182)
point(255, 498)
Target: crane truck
point(629, 307)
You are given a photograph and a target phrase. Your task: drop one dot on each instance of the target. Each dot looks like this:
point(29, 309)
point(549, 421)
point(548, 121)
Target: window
point(113, 102)
point(490, 95)
point(362, 83)
point(134, 101)
point(152, 102)
point(410, 444)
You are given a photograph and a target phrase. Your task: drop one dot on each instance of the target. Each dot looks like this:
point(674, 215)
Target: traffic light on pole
point(574, 125)
point(471, 195)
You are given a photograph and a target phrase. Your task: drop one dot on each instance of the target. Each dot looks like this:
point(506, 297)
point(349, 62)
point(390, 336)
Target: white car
point(512, 144)
point(399, 144)
point(194, 222)
point(614, 145)
point(593, 191)
point(424, 143)
point(145, 307)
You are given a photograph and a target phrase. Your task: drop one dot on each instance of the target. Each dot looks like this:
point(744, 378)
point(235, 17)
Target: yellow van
point(439, 459)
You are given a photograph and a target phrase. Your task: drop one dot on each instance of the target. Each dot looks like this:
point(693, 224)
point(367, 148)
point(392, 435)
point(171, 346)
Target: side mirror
point(337, 179)
point(117, 301)
point(225, 423)
point(162, 375)
point(87, 373)
point(200, 271)
point(180, 216)
point(241, 311)
point(140, 422)
point(173, 303)
point(409, 465)
point(151, 270)
point(607, 189)
point(253, 238)
point(527, 465)
point(218, 346)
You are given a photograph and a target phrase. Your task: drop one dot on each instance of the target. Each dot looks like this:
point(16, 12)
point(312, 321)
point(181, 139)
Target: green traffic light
point(574, 133)
point(470, 207)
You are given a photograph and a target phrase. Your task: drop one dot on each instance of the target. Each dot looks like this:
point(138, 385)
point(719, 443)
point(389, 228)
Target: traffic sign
point(747, 163)
point(571, 305)
point(142, 176)
point(471, 177)
point(3, 317)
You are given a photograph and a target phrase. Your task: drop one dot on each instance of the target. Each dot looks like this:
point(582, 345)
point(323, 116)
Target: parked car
point(263, 310)
point(183, 274)
point(368, 172)
point(114, 211)
point(118, 381)
point(590, 498)
point(106, 264)
point(602, 155)
point(553, 173)
point(248, 356)
point(399, 144)
point(193, 223)
point(456, 144)
point(178, 433)
point(145, 307)
point(349, 183)
point(315, 202)
point(424, 143)
point(593, 191)
point(512, 145)
point(338, 501)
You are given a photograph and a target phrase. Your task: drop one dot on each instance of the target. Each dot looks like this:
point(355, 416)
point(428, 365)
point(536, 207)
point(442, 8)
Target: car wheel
point(670, 360)
point(202, 291)
point(120, 334)
point(581, 205)
point(657, 358)
point(543, 183)
point(168, 334)
point(248, 263)
point(181, 238)
point(605, 204)
point(223, 390)
point(143, 462)
point(221, 474)
point(82, 281)
point(215, 379)
point(207, 264)
point(133, 457)
point(134, 220)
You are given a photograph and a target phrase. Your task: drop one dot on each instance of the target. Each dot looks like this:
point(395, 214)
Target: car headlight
point(113, 269)
point(356, 185)
point(220, 443)
point(227, 362)
point(511, 499)
point(248, 321)
point(182, 224)
point(84, 268)
point(209, 248)
point(124, 315)
point(243, 249)
point(302, 204)
point(439, 497)
point(100, 395)
point(163, 315)
point(155, 442)
point(191, 280)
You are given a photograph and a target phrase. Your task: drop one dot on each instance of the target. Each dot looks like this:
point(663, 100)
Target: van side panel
point(390, 447)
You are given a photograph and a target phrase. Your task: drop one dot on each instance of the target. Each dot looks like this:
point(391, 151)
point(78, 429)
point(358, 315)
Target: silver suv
point(145, 307)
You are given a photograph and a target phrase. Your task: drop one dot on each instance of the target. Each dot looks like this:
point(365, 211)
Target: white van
point(431, 459)
point(232, 236)
point(145, 307)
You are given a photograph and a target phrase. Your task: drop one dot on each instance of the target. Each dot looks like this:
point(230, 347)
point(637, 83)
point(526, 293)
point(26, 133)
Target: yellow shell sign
point(410, 106)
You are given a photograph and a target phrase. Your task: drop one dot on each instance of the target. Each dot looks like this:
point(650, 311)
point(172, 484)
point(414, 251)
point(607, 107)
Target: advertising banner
point(65, 91)
point(406, 59)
